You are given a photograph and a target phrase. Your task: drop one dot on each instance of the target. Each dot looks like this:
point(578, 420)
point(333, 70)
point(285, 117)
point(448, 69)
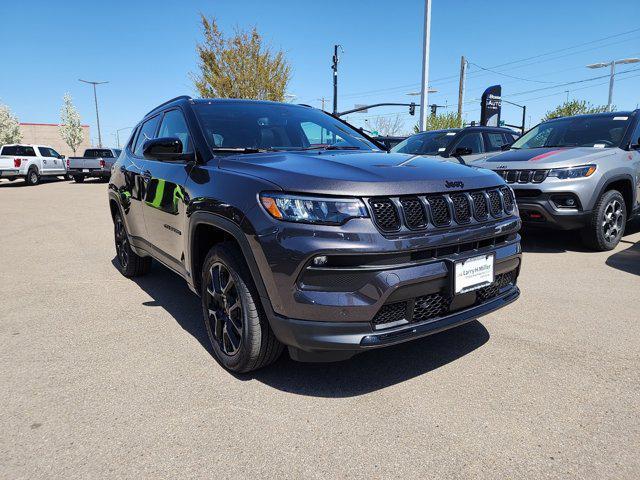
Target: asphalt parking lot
point(101, 376)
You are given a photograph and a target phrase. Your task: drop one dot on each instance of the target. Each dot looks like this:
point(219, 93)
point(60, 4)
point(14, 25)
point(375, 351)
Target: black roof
point(627, 113)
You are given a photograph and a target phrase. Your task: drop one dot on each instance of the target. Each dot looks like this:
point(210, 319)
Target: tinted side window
point(147, 132)
point(472, 141)
point(635, 136)
point(174, 125)
point(495, 140)
point(45, 152)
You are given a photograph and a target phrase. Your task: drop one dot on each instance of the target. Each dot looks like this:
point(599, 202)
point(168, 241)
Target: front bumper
point(341, 340)
point(335, 305)
point(538, 209)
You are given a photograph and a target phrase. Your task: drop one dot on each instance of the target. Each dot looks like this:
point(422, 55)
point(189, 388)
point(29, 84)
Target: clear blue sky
point(145, 49)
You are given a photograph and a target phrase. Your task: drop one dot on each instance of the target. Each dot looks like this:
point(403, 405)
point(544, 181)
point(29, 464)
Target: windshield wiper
point(332, 147)
point(238, 149)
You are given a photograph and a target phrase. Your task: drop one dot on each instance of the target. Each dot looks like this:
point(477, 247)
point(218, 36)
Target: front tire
point(607, 223)
point(129, 263)
point(33, 177)
point(236, 324)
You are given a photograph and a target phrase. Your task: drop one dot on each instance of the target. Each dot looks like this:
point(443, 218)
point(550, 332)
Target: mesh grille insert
point(507, 197)
point(480, 210)
point(385, 214)
point(414, 212)
point(393, 312)
point(495, 203)
point(461, 207)
point(430, 306)
point(440, 213)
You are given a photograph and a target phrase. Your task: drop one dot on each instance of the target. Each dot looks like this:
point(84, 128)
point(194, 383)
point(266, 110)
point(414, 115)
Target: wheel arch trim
point(234, 230)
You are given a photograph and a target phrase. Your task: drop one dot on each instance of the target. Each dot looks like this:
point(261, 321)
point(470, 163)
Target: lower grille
point(430, 306)
point(391, 313)
point(436, 305)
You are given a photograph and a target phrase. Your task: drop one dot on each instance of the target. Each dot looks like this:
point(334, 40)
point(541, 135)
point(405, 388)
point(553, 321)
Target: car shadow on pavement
point(364, 373)
point(551, 241)
point(627, 260)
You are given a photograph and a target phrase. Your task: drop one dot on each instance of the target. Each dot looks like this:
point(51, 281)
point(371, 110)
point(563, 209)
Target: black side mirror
point(165, 149)
point(506, 147)
point(461, 151)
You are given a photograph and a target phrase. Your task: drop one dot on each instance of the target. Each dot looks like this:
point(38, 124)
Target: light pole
point(118, 134)
point(424, 88)
point(612, 64)
point(95, 99)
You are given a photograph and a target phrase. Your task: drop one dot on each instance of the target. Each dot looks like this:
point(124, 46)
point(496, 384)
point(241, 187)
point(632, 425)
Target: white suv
point(30, 162)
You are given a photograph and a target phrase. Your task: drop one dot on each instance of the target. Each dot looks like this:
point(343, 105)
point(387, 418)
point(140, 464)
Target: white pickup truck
point(96, 163)
point(30, 162)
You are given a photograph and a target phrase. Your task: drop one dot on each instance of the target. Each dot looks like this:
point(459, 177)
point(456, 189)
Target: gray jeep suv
point(296, 229)
point(577, 173)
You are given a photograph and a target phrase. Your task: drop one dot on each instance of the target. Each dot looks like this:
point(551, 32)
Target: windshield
point(428, 143)
point(601, 131)
point(274, 126)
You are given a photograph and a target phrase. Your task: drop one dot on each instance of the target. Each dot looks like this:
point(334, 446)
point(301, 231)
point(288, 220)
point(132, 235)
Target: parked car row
point(575, 173)
point(32, 162)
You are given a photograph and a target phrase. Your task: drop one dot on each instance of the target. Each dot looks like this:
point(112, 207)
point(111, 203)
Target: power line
point(441, 80)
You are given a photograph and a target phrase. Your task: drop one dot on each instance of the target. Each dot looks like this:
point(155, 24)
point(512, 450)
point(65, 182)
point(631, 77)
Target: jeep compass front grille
point(523, 176)
point(419, 212)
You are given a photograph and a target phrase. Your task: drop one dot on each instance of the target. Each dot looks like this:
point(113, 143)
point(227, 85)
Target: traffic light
point(412, 108)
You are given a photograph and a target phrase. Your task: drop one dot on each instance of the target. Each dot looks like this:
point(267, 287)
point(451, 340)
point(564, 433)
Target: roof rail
point(181, 97)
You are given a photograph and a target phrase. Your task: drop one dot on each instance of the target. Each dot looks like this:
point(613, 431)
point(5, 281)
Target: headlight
point(328, 211)
point(573, 172)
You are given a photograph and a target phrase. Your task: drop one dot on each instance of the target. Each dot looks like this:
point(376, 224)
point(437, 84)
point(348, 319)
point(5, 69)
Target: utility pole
point(322, 100)
point(425, 65)
point(334, 67)
point(118, 134)
point(95, 100)
point(463, 75)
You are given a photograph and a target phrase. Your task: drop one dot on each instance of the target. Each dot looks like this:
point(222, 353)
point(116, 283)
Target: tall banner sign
point(491, 106)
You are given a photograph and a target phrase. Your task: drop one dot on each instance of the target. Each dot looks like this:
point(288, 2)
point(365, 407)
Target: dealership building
point(48, 134)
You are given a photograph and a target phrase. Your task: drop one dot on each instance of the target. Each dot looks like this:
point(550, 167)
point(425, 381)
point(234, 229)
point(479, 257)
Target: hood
point(552, 157)
point(359, 173)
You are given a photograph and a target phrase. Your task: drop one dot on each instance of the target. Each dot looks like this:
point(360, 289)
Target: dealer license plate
point(85, 170)
point(473, 273)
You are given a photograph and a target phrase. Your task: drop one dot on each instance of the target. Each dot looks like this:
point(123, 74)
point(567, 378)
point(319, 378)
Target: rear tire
point(33, 177)
point(607, 223)
point(129, 263)
point(238, 329)
point(78, 178)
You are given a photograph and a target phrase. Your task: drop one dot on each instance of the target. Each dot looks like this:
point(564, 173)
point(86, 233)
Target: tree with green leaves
point(441, 121)
point(574, 107)
point(239, 66)
point(71, 127)
point(9, 126)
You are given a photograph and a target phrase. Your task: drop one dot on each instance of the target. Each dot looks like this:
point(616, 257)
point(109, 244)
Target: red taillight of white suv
point(102, 164)
point(68, 163)
point(17, 162)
